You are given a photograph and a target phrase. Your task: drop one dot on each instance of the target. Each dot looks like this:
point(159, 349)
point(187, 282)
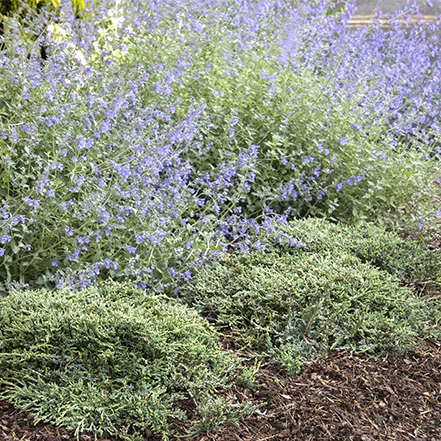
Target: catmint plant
point(158, 133)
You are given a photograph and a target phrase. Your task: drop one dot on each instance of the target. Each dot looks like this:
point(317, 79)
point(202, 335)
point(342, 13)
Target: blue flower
point(130, 249)
point(5, 238)
point(31, 202)
point(259, 245)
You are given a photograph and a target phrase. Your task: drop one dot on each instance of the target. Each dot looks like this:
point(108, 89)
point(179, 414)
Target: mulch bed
point(344, 397)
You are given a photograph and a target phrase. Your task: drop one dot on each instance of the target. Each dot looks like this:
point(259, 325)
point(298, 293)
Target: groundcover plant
point(113, 359)
point(343, 289)
point(156, 135)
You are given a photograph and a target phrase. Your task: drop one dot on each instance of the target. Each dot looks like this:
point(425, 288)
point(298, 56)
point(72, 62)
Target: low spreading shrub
point(327, 294)
point(407, 260)
point(112, 359)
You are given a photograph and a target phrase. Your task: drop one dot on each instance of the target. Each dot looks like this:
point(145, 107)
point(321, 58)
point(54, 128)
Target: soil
point(344, 397)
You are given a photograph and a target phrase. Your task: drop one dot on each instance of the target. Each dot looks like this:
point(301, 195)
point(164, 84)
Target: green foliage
point(407, 260)
point(300, 303)
point(9, 7)
point(112, 358)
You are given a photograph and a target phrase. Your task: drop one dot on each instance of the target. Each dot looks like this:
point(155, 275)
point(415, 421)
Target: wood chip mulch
point(344, 397)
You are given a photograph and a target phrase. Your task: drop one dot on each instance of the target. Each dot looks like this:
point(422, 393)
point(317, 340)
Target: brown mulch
point(344, 397)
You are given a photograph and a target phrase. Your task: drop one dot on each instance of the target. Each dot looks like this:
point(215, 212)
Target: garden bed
point(342, 396)
point(209, 230)
point(345, 396)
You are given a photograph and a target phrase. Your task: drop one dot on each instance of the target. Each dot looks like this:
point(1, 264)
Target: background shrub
point(9, 7)
point(155, 133)
point(112, 359)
